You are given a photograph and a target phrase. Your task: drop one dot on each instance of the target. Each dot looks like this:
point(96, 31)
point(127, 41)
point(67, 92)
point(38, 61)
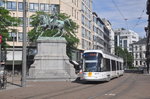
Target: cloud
point(116, 11)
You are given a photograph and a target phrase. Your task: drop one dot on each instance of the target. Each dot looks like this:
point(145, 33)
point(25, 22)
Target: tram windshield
point(92, 62)
point(90, 67)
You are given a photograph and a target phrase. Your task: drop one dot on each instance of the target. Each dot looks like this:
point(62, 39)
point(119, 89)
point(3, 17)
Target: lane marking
point(111, 94)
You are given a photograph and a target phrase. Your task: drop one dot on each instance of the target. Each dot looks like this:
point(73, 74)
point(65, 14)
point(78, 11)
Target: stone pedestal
point(51, 61)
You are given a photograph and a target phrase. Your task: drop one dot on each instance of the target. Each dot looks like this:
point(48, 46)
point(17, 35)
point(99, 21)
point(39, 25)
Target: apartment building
point(109, 36)
point(139, 53)
point(124, 38)
point(98, 38)
point(80, 11)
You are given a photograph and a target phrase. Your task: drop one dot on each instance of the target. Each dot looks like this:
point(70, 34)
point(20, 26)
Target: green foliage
point(127, 57)
point(70, 35)
point(6, 21)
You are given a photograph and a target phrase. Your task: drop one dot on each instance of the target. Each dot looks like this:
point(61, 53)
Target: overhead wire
point(125, 19)
point(139, 18)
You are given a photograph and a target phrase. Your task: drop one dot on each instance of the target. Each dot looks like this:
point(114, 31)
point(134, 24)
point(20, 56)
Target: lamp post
point(23, 80)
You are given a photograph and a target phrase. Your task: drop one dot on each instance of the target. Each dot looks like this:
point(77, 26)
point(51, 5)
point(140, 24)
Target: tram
point(100, 66)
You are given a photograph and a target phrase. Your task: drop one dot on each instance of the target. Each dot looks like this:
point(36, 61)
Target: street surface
point(129, 86)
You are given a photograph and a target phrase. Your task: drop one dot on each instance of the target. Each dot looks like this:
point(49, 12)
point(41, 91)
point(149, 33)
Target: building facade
point(93, 32)
point(80, 11)
point(139, 53)
point(103, 37)
point(123, 38)
point(147, 29)
point(98, 37)
point(110, 36)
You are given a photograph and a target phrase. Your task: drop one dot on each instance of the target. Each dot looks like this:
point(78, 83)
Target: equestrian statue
point(51, 22)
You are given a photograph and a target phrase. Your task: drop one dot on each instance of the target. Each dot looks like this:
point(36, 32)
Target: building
point(147, 29)
point(98, 37)
point(124, 38)
point(93, 32)
point(110, 36)
point(139, 53)
point(103, 37)
point(80, 11)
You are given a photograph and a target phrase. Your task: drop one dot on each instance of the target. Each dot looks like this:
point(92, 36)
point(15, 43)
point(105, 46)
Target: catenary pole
point(23, 80)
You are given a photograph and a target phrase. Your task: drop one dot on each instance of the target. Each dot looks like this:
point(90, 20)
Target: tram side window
point(118, 66)
point(113, 65)
point(106, 65)
point(122, 66)
point(103, 67)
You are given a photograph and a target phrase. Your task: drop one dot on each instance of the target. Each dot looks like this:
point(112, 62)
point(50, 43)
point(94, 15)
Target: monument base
point(51, 61)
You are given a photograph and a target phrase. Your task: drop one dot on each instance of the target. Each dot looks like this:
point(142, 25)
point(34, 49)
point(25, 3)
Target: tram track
point(115, 88)
point(69, 90)
point(42, 94)
point(80, 88)
point(63, 91)
point(126, 88)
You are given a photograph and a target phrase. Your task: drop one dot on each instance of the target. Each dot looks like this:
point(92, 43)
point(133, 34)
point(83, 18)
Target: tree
point(127, 57)
point(6, 22)
point(70, 36)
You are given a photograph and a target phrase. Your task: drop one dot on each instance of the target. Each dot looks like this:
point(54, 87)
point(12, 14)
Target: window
point(82, 19)
point(44, 7)
point(136, 48)
point(140, 48)
point(33, 6)
point(136, 55)
point(106, 63)
point(136, 62)
point(11, 5)
point(125, 43)
point(21, 19)
point(83, 45)
point(12, 36)
point(54, 8)
point(20, 6)
point(83, 32)
point(140, 55)
point(140, 62)
point(20, 36)
point(113, 65)
point(1, 4)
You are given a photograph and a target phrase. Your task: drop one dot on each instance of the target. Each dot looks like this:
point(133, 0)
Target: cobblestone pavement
point(129, 86)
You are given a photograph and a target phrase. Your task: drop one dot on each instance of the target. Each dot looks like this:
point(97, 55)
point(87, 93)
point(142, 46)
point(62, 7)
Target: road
point(129, 86)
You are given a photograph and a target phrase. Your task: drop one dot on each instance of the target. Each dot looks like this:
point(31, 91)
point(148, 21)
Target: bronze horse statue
point(48, 22)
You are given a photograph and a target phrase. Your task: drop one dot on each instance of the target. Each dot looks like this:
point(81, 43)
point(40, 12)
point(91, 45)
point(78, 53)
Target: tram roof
point(106, 54)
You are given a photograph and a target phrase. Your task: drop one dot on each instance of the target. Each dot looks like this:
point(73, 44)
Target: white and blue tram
point(100, 66)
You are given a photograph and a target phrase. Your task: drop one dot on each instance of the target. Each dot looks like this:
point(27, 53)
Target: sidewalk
point(13, 83)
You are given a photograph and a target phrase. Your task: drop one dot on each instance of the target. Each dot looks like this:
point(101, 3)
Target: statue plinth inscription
point(51, 61)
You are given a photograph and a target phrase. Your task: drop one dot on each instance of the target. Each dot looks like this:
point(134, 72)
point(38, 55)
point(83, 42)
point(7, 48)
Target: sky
point(128, 14)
